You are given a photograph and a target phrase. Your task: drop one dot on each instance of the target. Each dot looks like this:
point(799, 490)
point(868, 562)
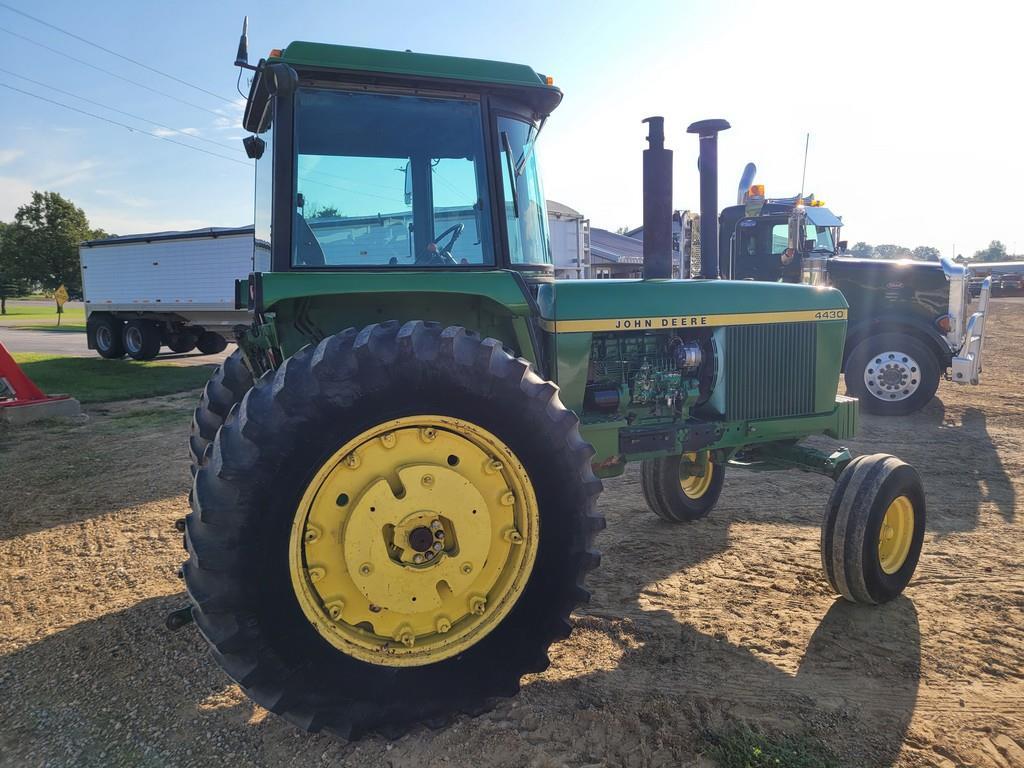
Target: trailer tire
point(675, 498)
point(873, 529)
point(181, 342)
point(252, 499)
point(911, 373)
point(223, 391)
point(141, 339)
point(210, 343)
point(106, 336)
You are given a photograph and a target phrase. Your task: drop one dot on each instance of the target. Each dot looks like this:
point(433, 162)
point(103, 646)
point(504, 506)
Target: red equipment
point(17, 389)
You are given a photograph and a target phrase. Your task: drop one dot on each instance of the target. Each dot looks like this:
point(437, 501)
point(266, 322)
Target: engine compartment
point(650, 373)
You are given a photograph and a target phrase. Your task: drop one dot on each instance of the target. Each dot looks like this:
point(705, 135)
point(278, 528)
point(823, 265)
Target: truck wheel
point(141, 339)
point(394, 530)
point(181, 342)
point(873, 529)
point(211, 343)
point(223, 391)
point(107, 336)
point(675, 495)
point(892, 374)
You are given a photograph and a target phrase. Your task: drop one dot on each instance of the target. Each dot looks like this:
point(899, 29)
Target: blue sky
point(914, 110)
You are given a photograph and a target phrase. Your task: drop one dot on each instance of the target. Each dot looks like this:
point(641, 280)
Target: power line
point(108, 72)
point(119, 111)
point(124, 125)
point(112, 53)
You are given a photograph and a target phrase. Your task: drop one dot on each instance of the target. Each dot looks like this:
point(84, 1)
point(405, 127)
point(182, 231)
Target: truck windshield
point(820, 238)
point(525, 209)
point(386, 180)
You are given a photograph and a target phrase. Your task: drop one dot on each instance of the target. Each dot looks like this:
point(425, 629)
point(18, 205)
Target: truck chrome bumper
point(967, 362)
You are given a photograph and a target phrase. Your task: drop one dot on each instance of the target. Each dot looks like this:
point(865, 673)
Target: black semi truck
point(908, 325)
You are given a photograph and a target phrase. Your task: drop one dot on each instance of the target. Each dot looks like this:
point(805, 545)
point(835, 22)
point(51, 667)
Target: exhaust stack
point(657, 203)
point(707, 131)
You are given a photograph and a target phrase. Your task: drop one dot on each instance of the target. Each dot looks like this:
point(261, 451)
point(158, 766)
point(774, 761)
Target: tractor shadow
point(704, 647)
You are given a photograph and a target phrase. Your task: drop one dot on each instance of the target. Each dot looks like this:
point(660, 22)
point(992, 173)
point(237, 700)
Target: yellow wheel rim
point(414, 540)
point(896, 535)
point(695, 486)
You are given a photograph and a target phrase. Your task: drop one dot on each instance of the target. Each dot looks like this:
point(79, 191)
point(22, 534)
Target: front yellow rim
point(695, 486)
point(896, 534)
point(414, 540)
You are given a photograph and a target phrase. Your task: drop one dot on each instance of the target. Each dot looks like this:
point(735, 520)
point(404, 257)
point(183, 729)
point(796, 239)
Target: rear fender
point(924, 332)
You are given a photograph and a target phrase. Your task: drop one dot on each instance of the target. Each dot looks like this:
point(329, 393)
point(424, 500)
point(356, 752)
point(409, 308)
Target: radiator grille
point(769, 370)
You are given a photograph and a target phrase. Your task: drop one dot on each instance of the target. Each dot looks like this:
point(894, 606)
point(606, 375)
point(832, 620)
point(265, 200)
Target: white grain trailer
point(164, 289)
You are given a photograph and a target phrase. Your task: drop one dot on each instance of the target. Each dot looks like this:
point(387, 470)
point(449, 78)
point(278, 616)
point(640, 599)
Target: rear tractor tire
point(223, 391)
point(210, 343)
point(141, 339)
point(676, 490)
point(107, 336)
point(392, 529)
point(873, 529)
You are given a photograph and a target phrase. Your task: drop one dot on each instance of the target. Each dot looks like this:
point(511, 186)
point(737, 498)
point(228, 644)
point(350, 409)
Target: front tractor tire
point(678, 489)
point(392, 528)
point(892, 374)
point(873, 529)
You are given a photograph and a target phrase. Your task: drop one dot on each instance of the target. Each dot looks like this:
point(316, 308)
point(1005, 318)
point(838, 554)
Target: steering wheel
point(443, 255)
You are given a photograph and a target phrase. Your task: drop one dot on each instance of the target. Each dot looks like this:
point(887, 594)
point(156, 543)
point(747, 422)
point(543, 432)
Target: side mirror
point(408, 183)
point(254, 147)
point(797, 231)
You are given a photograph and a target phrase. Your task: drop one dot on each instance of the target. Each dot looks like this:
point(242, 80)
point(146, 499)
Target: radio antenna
point(803, 177)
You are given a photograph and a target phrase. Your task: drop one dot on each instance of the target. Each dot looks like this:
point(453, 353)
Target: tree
point(891, 251)
point(863, 250)
point(926, 253)
point(996, 251)
point(41, 245)
point(622, 230)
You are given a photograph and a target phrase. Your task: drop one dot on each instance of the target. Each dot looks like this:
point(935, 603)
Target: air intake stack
point(708, 131)
point(657, 203)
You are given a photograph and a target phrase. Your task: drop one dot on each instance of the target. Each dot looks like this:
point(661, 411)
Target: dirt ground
point(692, 627)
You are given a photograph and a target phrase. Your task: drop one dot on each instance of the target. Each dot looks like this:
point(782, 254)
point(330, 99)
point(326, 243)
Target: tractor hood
point(623, 305)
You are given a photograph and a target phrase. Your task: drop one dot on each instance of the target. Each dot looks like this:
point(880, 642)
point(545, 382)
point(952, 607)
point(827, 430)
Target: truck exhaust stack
point(657, 203)
point(708, 131)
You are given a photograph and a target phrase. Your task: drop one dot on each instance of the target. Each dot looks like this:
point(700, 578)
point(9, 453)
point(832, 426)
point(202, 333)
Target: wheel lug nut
point(443, 625)
point(477, 605)
point(493, 466)
point(334, 609)
point(315, 574)
point(513, 536)
point(417, 559)
point(365, 569)
point(428, 434)
point(435, 525)
point(439, 535)
point(508, 498)
point(405, 636)
point(388, 439)
point(437, 546)
point(427, 480)
point(466, 568)
point(352, 461)
point(312, 533)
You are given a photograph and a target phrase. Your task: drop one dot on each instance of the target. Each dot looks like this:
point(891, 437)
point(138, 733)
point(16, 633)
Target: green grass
point(743, 747)
point(94, 380)
point(40, 316)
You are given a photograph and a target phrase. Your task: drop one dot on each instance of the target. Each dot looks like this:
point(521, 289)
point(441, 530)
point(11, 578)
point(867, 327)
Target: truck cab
point(908, 323)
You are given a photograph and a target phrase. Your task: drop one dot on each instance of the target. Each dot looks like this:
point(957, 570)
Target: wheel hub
point(896, 534)
point(414, 540)
point(695, 486)
point(892, 376)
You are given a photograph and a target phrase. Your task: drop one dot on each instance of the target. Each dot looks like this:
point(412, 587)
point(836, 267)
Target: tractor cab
point(387, 160)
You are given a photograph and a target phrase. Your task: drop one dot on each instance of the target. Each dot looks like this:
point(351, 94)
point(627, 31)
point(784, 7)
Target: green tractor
point(397, 472)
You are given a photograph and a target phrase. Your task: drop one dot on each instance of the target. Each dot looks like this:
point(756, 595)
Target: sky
point(914, 109)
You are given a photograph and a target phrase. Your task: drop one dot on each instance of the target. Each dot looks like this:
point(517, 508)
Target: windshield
point(525, 210)
point(819, 239)
point(386, 180)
